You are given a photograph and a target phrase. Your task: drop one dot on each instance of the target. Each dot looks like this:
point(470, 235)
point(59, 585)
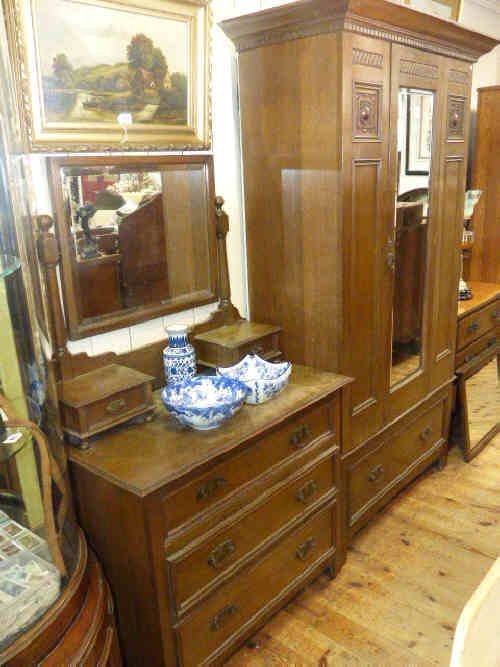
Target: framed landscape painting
point(96, 75)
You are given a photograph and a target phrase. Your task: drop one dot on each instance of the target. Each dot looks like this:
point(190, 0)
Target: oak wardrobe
point(354, 120)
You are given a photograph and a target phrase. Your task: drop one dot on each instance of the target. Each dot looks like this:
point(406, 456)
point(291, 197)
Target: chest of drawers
point(203, 535)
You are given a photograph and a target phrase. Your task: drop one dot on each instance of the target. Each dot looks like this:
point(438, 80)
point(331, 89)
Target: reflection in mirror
point(135, 235)
point(482, 392)
point(408, 246)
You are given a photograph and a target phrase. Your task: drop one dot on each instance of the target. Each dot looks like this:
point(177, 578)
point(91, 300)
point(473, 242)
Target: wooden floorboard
point(407, 577)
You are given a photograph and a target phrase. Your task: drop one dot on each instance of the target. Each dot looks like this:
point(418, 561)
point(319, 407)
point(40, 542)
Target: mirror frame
point(81, 328)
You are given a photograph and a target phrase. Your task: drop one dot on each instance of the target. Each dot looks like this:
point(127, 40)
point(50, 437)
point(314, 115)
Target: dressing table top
point(483, 293)
point(142, 458)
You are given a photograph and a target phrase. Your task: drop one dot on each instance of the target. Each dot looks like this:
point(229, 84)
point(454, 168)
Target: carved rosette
point(456, 118)
point(366, 111)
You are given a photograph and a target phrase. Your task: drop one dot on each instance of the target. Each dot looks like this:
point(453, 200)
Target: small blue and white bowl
point(263, 378)
point(204, 402)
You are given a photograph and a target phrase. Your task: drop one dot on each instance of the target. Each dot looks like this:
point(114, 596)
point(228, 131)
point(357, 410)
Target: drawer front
point(194, 568)
point(264, 347)
point(227, 476)
point(476, 324)
point(490, 340)
point(371, 476)
point(115, 407)
point(213, 622)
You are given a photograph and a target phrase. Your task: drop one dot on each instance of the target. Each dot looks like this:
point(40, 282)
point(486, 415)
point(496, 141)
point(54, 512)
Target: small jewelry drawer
point(478, 323)
point(369, 478)
point(252, 591)
point(205, 560)
point(227, 345)
point(229, 475)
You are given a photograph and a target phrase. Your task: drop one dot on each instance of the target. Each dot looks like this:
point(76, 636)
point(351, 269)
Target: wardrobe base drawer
point(372, 477)
point(227, 615)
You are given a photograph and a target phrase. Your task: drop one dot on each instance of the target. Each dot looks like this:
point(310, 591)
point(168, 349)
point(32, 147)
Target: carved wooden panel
point(458, 76)
point(366, 231)
point(446, 279)
point(366, 106)
point(455, 118)
point(367, 58)
point(422, 70)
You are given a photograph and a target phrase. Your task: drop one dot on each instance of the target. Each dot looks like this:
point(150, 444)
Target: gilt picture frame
point(102, 75)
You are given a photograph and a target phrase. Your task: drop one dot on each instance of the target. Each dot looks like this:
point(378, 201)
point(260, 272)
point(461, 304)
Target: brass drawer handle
point(376, 473)
point(305, 492)
point(306, 550)
point(426, 433)
point(116, 406)
point(210, 488)
point(301, 434)
point(257, 349)
point(220, 554)
point(472, 327)
point(222, 617)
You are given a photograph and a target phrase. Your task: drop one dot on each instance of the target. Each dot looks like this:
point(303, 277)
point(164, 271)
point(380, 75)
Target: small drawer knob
point(298, 439)
point(210, 488)
point(306, 550)
point(376, 473)
point(222, 617)
point(116, 406)
point(472, 328)
point(220, 554)
point(305, 492)
point(426, 433)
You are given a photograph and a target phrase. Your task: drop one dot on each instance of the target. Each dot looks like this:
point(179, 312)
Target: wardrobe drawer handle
point(301, 434)
point(376, 473)
point(116, 406)
point(306, 550)
point(472, 327)
point(426, 433)
point(305, 492)
point(220, 554)
point(222, 617)
point(210, 488)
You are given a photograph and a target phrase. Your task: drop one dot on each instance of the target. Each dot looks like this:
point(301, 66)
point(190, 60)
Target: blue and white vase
point(179, 358)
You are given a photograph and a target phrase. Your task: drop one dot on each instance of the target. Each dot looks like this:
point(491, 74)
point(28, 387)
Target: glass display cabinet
point(55, 604)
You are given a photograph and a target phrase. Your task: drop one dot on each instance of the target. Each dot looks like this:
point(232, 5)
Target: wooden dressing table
point(203, 535)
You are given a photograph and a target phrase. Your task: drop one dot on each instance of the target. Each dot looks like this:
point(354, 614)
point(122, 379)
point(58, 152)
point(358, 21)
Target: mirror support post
point(231, 313)
point(48, 252)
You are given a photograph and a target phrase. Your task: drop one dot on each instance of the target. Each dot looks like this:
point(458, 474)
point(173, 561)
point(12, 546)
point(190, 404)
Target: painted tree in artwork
point(140, 52)
point(159, 68)
point(63, 70)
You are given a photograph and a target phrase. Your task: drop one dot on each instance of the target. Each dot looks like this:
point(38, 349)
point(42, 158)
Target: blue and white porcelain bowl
point(204, 402)
point(263, 378)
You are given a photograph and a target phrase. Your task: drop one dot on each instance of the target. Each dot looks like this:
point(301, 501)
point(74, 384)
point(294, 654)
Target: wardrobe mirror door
point(482, 400)
point(407, 250)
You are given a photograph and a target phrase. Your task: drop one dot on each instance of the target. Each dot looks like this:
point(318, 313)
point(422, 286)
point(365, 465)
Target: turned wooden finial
point(222, 219)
